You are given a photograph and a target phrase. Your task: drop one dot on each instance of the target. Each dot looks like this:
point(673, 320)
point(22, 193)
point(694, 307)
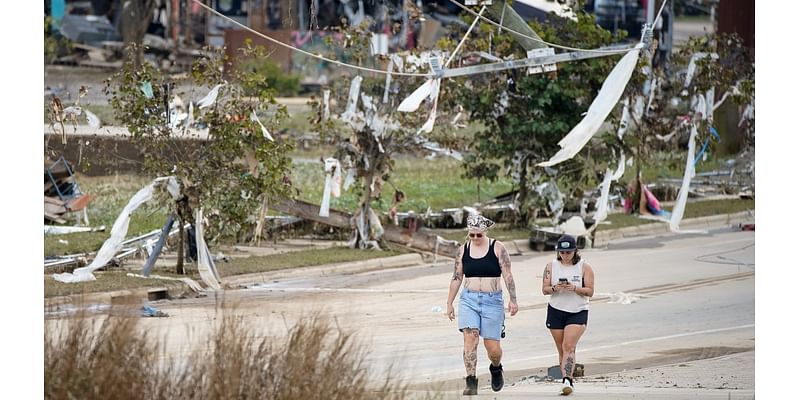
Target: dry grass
point(88, 359)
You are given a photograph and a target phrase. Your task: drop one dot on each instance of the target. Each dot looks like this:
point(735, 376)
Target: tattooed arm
point(547, 284)
point(505, 270)
point(455, 283)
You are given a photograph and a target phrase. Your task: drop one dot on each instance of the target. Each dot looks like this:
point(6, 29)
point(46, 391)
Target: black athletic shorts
point(557, 319)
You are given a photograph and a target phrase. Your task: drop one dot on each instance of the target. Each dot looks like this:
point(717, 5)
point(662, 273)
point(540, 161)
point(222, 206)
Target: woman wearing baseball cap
point(570, 283)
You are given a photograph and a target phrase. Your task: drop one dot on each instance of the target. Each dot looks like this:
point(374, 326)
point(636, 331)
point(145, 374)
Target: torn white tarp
point(606, 99)
point(602, 204)
point(412, 102)
point(92, 119)
point(350, 115)
point(333, 180)
point(326, 101)
point(113, 244)
point(264, 131)
point(748, 114)
point(555, 199)
point(693, 66)
point(428, 126)
point(574, 226)
point(688, 174)
point(350, 178)
point(205, 263)
point(61, 230)
point(388, 80)
point(210, 98)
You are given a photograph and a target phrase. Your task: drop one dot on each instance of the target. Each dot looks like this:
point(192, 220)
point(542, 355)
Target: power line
point(614, 51)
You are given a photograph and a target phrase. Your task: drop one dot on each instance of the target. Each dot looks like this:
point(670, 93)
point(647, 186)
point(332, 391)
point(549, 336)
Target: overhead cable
point(317, 56)
point(607, 51)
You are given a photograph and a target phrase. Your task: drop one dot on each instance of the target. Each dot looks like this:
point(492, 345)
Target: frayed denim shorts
point(483, 311)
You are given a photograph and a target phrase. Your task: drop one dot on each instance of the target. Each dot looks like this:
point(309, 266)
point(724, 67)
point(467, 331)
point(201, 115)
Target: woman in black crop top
point(481, 264)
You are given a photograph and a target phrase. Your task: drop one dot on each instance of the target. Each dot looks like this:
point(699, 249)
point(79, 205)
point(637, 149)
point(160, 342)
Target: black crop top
point(487, 266)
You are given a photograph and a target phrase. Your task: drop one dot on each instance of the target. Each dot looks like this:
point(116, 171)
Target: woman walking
point(570, 283)
point(480, 265)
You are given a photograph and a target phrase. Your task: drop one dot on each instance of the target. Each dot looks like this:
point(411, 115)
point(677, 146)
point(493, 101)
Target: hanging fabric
point(205, 262)
point(113, 244)
point(333, 180)
point(606, 99)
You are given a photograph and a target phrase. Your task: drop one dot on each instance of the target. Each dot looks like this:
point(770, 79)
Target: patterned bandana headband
point(479, 222)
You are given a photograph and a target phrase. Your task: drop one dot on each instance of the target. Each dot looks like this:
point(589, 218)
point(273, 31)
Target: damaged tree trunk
point(134, 18)
point(423, 239)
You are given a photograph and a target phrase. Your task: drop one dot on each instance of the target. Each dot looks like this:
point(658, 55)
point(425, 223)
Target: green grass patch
point(238, 266)
point(107, 281)
point(118, 280)
point(433, 183)
point(694, 209)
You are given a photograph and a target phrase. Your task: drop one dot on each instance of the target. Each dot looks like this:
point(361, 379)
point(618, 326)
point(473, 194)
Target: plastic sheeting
point(264, 131)
point(350, 115)
point(113, 244)
point(333, 180)
point(688, 174)
point(602, 105)
point(205, 262)
point(413, 101)
point(210, 98)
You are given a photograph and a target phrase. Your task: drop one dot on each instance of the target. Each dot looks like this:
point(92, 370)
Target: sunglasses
point(476, 235)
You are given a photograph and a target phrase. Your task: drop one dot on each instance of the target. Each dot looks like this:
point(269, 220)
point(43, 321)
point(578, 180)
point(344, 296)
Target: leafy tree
point(378, 132)
point(664, 127)
point(236, 169)
point(527, 115)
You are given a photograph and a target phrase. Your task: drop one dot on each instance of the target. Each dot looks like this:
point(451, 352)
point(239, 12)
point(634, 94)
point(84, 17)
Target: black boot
point(497, 377)
point(472, 385)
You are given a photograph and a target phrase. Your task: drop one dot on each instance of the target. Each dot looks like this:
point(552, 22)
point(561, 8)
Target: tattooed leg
point(568, 365)
point(571, 335)
point(470, 350)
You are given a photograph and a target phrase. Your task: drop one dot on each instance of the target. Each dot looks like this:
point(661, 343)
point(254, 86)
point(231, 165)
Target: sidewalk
point(726, 377)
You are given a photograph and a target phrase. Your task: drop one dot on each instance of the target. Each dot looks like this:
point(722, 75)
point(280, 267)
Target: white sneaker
point(566, 387)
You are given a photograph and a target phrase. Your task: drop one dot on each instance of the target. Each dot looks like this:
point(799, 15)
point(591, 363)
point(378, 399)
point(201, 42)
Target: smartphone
point(563, 280)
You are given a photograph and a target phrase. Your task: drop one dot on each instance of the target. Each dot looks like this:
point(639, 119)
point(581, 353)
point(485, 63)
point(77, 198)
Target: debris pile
point(62, 194)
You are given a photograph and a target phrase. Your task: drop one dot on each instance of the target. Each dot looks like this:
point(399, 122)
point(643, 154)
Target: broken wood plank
point(54, 209)
point(53, 200)
point(54, 218)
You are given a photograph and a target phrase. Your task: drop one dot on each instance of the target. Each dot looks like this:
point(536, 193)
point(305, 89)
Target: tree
point(722, 70)
point(367, 132)
point(134, 19)
point(233, 172)
point(526, 115)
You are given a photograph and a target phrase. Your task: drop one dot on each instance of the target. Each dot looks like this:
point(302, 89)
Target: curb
point(174, 289)
point(602, 238)
point(136, 295)
point(349, 267)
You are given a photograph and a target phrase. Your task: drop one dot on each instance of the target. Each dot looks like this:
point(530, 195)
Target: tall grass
point(113, 359)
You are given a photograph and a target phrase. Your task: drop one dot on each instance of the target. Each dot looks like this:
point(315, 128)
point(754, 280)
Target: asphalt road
point(689, 297)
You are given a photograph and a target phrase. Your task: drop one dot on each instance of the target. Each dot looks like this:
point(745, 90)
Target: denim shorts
point(483, 311)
